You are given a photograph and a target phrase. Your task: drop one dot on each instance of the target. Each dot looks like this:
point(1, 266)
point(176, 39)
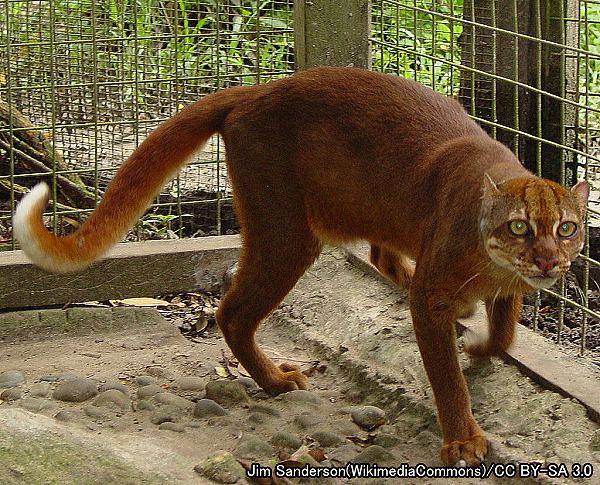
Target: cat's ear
point(581, 191)
point(490, 188)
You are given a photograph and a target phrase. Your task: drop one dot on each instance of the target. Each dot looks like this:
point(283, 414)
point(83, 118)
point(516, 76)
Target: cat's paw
point(477, 345)
point(472, 451)
point(289, 378)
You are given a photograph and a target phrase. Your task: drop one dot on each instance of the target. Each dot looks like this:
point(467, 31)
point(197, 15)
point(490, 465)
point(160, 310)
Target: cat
point(332, 155)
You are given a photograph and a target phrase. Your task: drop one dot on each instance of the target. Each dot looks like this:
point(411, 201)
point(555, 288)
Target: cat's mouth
point(541, 281)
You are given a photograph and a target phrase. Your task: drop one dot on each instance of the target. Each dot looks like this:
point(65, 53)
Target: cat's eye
point(567, 229)
point(518, 228)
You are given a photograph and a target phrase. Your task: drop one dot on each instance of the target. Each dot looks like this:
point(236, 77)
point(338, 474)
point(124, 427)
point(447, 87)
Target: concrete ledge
point(534, 355)
point(130, 270)
point(40, 325)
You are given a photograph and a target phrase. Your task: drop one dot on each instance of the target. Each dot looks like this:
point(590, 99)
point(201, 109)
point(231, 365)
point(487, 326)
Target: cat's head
point(533, 227)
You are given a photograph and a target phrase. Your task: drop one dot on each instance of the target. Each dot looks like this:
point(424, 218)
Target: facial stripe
point(542, 207)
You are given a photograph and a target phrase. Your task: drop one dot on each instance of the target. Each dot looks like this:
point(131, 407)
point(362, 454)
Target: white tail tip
point(22, 229)
point(23, 224)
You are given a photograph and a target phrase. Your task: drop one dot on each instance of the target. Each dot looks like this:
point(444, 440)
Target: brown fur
point(333, 155)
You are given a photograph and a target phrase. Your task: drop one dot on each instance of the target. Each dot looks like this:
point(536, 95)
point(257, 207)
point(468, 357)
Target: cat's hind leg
point(394, 266)
point(278, 246)
point(266, 272)
point(503, 314)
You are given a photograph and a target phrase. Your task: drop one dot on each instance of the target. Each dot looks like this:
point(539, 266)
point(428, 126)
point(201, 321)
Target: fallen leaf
point(140, 302)
point(360, 441)
point(299, 453)
point(318, 454)
point(201, 324)
point(222, 371)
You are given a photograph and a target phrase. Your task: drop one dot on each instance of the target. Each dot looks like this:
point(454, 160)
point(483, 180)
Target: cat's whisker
point(467, 282)
point(514, 281)
point(494, 299)
point(484, 266)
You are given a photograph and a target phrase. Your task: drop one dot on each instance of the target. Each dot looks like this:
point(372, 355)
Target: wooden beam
point(147, 268)
point(535, 356)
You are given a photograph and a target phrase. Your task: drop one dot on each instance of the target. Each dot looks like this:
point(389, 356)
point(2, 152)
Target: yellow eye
point(567, 229)
point(518, 228)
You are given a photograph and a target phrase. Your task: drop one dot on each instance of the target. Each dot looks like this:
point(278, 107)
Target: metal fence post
point(332, 33)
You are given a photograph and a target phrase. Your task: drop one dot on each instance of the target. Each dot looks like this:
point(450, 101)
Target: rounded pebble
point(221, 467)
point(158, 371)
point(11, 394)
point(170, 426)
point(50, 378)
point(116, 385)
point(327, 438)
point(248, 383)
point(386, 440)
point(301, 396)
point(259, 418)
point(144, 405)
point(207, 407)
point(307, 421)
point(190, 383)
point(36, 404)
point(264, 409)
point(165, 413)
point(252, 447)
point(226, 392)
point(95, 411)
point(344, 453)
point(173, 400)
point(40, 389)
point(75, 390)
point(148, 391)
point(145, 380)
point(11, 378)
point(375, 454)
point(345, 427)
point(112, 398)
point(286, 440)
point(368, 417)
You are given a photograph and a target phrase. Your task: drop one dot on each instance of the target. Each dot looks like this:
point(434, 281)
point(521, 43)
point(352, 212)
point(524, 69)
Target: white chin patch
point(540, 283)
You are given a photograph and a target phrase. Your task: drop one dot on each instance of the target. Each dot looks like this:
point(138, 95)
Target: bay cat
point(332, 155)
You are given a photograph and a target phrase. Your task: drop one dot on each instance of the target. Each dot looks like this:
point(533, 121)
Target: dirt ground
point(350, 331)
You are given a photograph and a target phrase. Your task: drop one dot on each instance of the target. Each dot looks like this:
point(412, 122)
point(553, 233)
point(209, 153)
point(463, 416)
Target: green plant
point(415, 42)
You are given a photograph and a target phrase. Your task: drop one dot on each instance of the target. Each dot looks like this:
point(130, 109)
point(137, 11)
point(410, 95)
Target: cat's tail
point(138, 181)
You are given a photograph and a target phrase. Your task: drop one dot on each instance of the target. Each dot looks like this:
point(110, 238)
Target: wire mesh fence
point(82, 82)
point(528, 73)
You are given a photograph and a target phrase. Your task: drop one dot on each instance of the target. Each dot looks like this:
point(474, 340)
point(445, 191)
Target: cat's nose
point(546, 264)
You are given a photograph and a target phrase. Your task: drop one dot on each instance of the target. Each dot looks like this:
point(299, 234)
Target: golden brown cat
point(342, 154)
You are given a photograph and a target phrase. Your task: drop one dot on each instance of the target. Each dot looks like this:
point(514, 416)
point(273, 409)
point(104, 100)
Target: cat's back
point(357, 108)
point(358, 95)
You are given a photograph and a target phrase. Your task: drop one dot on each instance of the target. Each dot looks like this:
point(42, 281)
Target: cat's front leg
point(503, 314)
point(434, 313)
point(396, 267)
